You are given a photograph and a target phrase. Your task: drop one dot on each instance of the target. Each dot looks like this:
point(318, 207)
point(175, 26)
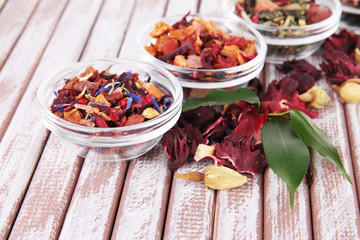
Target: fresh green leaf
point(286, 153)
point(221, 97)
point(316, 138)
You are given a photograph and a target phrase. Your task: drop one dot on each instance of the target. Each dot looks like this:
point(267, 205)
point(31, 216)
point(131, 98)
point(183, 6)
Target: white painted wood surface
point(13, 19)
point(18, 70)
point(47, 192)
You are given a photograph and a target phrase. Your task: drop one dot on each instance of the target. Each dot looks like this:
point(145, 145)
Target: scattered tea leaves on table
point(221, 97)
point(286, 153)
point(316, 138)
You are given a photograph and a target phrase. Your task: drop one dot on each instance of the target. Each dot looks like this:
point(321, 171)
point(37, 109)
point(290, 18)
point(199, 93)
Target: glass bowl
point(296, 42)
point(210, 78)
point(119, 143)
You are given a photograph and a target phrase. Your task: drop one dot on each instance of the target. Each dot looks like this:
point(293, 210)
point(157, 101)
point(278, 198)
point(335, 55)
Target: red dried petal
point(317, 13)
point(100, 121)
point(243, 153)
point(175, 145)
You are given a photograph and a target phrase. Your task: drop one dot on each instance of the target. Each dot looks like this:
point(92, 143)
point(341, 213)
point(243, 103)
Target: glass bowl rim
point(163, 118)
point(260, 57)
point(335, 17)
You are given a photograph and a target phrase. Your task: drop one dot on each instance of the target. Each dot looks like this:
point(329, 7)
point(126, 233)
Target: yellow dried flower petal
point(150, 113)
point(101, 99)
point(191, 176)
point(349, 91)
point(316, 96)
point(204, 150)
point(220, 177)
point(357, 55)
point(152, 89)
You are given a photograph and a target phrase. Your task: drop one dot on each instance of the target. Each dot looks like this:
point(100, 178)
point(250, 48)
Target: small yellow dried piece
point(204, 150)
point(152, 89)
point(357, 55)
point(160, 28)
point(73, 116)
point(220, 177)
point(302, 22)
point(191, 176)
point(150, 113)
point(101, 99)
point(180, 61)
point(230, 51)
point(349, 91)
point(316, 96)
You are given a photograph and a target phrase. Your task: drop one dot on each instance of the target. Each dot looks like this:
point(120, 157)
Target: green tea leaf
point(316, 138)
point(221, 97)
point(286, 153)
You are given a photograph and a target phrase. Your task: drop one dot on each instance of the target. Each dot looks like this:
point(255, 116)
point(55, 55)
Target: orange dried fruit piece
point(73, 116)
point(152, 89)
point(89, 74)
point(151, 49)
point(168, 46)
point(101, 99)
point(71, 83)
point(180, 61)
point(160, 28)
point(134, 119)
point(230, 51)
point(178, 34)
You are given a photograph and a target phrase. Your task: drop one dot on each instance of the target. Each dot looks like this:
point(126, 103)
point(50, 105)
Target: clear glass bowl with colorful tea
point(291, 28)
point(122, 105)
point(204, 52)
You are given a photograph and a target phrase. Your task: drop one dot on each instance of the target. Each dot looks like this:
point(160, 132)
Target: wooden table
point(48, 192)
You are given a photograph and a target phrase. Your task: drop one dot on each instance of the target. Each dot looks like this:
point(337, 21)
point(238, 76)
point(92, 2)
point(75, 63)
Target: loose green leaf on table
point(286, 153)
point(316, 138)
point(221, 97)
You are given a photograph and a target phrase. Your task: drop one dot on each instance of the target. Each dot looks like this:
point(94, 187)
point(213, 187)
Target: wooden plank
point(91, 212)
point(181, 8)
point(109, 31)
point(17, 71)
point(279, 221)
point(142, 208)
point(13, 19)
point(239, 211)
point(19, 149)
point(191, 207)
point(352, 112)
point(97, 178)
point(335, 207)
point(43, 210)
point(139, 19)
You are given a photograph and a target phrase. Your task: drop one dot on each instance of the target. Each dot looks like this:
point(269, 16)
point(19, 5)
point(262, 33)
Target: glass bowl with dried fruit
point(118, 108)
point(292, 29)
point(204, 52)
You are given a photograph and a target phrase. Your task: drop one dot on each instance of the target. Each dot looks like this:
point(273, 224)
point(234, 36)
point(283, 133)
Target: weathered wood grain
point(352, 112)
point(13, 19)
point(144, 198)
point(335, 207)
point(109, 30)
point(93, 205)
point(18, 70)
point(191, 207)
point(280, 222)
point(19, 149)
point(239, 211)
point(47, 199)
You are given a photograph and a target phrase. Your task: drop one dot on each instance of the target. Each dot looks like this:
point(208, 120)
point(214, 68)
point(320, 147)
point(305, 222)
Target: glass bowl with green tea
point(204, 52)
point(117, 108)
point(293, 29)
